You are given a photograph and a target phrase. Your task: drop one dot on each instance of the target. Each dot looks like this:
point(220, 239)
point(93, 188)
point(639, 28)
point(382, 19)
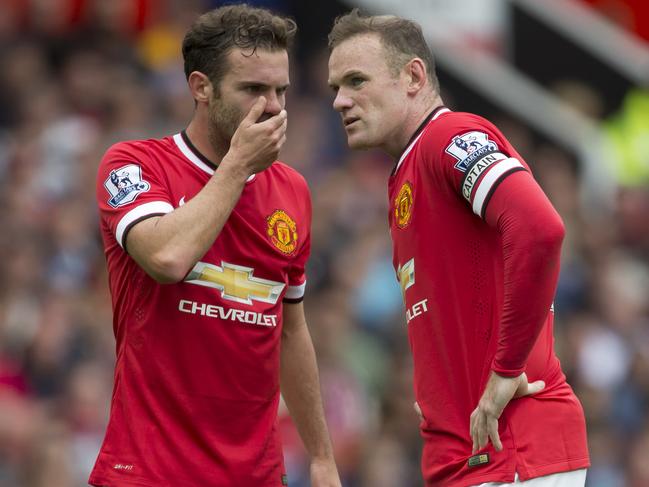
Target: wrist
point(323, 466)
point(322, 455)
point(327, 458)
point(233, 169)
point(506, 370)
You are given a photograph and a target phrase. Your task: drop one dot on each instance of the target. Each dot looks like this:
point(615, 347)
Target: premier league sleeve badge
point(124, 184)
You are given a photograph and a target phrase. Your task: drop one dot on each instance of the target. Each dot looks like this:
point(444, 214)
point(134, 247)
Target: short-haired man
point(206, 237)
point(476, 251)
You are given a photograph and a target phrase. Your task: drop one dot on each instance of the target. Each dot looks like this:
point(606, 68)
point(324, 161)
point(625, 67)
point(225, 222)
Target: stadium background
point(567, 82)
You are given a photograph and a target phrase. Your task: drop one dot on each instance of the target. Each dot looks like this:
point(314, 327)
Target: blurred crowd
point(73, 82)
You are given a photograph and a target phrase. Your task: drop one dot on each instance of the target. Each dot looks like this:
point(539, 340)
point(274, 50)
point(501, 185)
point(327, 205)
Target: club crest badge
point(124, 184)
point(282, 231)
point(403, 205)
point(469, 147)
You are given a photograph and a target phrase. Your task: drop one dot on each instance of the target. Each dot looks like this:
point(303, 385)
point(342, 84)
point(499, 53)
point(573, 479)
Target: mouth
point(349, 121)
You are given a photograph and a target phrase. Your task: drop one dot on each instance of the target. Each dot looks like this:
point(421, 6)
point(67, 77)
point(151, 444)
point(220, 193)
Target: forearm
point(301, 391)
point(171, 245)
point(168, 247)
point(531, 273)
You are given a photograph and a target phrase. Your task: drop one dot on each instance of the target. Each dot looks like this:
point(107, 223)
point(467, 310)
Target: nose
point(274, 103)
point(342, 101)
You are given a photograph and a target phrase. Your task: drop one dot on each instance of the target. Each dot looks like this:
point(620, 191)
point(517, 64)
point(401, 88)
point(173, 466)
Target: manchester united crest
point(403, 205)
point(282, 231)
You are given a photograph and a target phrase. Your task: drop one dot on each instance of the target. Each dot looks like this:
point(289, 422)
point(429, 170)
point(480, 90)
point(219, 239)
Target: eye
point(254, 88)
point(282, 91)
point(356, 81)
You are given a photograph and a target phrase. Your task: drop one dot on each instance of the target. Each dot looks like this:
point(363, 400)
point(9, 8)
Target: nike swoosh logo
point(181, 202)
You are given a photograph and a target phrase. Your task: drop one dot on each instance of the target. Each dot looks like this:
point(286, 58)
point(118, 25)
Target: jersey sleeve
point(476, 159)
point(532, 233)
point(487, 173)
point(130, 189)
point(297, 269)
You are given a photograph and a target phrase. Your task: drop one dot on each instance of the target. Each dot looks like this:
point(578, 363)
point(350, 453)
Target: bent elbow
point(167, 268)
point(549, 237)
point(555, 232)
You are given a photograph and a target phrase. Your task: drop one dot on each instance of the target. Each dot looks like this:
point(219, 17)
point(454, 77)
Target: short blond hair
point(403, 39)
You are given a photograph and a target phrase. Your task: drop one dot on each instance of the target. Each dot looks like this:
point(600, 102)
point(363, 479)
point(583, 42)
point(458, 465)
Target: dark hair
point(212, 36)
point(402, 38)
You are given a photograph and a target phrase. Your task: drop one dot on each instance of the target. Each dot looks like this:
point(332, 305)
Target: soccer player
point(476, 251)
point(206, 237)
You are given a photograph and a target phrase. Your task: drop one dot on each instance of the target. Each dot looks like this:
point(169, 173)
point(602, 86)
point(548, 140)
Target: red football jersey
point(449, 262)
point(197, 374)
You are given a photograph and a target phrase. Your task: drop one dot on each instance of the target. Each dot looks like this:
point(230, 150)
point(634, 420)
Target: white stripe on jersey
point(407, 151)
point(475, 171)
point(152, 207)
point(295, 292)
point(189, 154)
point(490, 179)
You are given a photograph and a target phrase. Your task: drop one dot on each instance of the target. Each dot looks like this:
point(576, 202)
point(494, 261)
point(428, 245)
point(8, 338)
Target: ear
point(416, 74)
point(200, 86)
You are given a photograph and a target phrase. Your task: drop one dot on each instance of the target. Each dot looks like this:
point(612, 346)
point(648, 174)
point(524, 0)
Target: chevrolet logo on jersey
point(235, 282)
point(406, 275)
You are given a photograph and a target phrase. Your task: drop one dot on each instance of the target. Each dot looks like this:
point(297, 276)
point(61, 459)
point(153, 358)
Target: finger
point(282, 127)
point(278, 121)
point(255, 111)
point(493, 434)
point(483, 434)
point(479, 432)
point(418, 411)
point(535, 387)
point(274, 123)
point(277, 147)
point(472, 431)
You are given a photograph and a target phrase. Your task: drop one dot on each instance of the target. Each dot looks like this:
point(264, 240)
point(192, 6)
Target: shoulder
point(461, 136)
point(132, 160)
point(134, 156)
point(132, 149)
point(452, 124)
point(284, 171)
point(463, 119)
point(294, 190)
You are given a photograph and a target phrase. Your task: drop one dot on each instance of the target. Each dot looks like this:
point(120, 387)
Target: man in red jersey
point(206, 237)
point(476, 251)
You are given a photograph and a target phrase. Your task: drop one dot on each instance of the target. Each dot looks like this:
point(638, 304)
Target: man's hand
point(256, 145)
point(324, 473)
point(418, 411)
point(497, 394)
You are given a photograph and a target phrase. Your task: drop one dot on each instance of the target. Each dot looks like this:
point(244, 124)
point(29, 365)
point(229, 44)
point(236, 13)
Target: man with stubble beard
point(206, 238)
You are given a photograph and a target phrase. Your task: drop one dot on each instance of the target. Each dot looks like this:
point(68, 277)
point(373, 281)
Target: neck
point(198, 133)
point(420, 112)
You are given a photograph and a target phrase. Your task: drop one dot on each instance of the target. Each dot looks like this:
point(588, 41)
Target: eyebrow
point(261, 83)
point(347, 76)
